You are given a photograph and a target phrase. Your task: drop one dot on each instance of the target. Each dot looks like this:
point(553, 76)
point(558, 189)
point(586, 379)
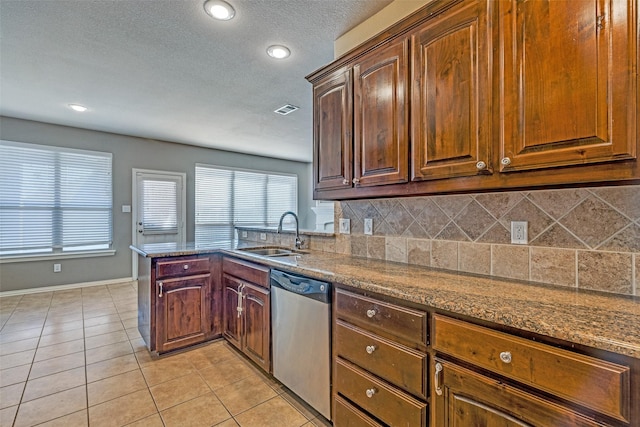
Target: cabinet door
point(381, 129)
point(257, 325)
point(332, 163)
point(231, 318)
point(451, 100)
point(182, 311)
point(464, 398)
point(566, 82)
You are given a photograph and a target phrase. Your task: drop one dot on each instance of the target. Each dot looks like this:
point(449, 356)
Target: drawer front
point(400, 365)
point(594, 383)
point(182, 267)
point(393, 319)
point(254, 273)
point(347, 415)
point(387, 403)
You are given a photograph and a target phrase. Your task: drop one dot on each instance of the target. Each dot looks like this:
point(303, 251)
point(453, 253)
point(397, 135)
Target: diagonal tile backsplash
point(584, 237)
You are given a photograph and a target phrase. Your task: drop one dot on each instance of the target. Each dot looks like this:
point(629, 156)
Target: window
point(54, 200)
point(229, 197)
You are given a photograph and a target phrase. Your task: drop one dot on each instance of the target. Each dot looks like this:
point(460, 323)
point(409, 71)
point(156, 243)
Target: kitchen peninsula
point(583, 326)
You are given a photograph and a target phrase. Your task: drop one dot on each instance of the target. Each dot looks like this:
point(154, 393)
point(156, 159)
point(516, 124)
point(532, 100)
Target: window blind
point(229, 197)
point(54, 199)
point(159, 209)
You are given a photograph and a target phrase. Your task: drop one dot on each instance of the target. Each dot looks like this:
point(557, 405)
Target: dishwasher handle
point(304, 286)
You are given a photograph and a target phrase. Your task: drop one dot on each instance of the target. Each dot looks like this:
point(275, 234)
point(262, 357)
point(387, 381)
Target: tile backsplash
point(584, 237)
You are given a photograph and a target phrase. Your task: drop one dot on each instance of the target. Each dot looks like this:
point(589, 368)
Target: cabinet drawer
point(180, 267)
point(347, 415)
point(254, 273)
point(400, 365)
point(382, 316)
point(387, 403)
point(594, 383)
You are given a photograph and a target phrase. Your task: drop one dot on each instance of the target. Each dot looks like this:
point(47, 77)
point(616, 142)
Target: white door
point(159, 209)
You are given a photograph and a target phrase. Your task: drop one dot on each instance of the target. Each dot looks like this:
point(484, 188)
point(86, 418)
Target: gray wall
point(129, 152)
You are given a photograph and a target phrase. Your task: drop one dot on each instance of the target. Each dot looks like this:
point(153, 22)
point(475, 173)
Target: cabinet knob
point(370, 349)
point(481, 165)
point(505, 356)
point(371, 313)
point(345, 181)
point(505, 161)
point(186, 266)
point(370, 392)
point(356, 180)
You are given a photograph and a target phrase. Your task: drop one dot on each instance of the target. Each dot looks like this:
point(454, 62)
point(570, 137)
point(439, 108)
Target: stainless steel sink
point(272, 251)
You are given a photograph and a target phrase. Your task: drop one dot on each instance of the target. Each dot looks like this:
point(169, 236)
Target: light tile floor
point(75, 358)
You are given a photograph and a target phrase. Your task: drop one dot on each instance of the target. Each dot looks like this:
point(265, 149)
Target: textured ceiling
point(163, 69)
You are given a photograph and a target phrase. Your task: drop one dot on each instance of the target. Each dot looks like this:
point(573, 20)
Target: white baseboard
point(65, 287)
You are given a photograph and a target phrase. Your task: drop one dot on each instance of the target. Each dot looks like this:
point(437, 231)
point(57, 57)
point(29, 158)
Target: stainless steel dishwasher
point(301, 337)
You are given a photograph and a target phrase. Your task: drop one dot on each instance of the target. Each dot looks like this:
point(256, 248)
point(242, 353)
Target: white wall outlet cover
point(519, 232)
point(368, 226)
point(244, 234)
point(263, 236)
point(126, 208)
point(57, 268)
point(345, 226)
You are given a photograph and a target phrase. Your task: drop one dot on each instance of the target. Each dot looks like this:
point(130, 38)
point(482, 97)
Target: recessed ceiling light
point(77, 107)
point(278, 51)
point(219, 9)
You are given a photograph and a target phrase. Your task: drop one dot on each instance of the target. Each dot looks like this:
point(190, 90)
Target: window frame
point(56, 231)
point(231, 213)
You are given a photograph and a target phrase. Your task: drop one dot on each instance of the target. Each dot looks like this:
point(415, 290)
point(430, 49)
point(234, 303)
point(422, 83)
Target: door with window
point(159, 208)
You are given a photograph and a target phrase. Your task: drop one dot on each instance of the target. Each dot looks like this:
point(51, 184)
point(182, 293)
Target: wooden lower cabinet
point(257, 319)
point(247, 310)
point(182, 311)
point(464, 398)
point(178, 301)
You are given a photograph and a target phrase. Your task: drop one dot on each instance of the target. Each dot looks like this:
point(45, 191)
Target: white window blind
point(54, 200)
point(159, 208)
point(229, 197)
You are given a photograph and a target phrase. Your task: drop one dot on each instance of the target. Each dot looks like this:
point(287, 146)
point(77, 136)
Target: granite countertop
point(603, 321)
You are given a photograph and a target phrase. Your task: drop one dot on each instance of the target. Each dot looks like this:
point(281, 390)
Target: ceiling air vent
point(286, 109)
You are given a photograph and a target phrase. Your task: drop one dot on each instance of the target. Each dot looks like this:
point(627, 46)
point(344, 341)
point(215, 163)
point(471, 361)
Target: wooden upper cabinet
point(381, 131)
point(566, 82)
point(332, 160)
point(451, 96)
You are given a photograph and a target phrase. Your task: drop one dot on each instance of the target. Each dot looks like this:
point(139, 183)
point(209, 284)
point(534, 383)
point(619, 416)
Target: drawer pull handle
point(370, 392)
point(371, 313)
point(161, 285)
point(505, 356)
point(370, 349)
point(436, 379)
point(186, 266)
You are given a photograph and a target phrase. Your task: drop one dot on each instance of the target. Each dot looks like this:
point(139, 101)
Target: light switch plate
point(126, 208)
point(368, 226)
point(345, 226)
point(519, 232)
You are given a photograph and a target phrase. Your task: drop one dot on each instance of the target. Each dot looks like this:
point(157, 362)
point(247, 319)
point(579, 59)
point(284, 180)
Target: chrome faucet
point(299, 242)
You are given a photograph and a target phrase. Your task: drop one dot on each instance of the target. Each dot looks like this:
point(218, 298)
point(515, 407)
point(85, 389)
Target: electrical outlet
point(368, 226)
point(519, 232)
point(345, 226)
point(57, 268)
point(244, 234)
point(263, 236)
